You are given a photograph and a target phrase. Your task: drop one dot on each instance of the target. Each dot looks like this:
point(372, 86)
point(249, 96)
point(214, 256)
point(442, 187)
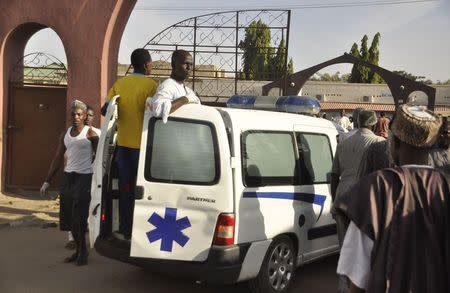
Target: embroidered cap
point(416, 126)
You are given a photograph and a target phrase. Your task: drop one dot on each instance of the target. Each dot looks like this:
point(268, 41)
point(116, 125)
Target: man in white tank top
point(90, 115)
point(78, 143)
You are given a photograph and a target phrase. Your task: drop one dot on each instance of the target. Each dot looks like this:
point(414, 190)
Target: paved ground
point(31, 261)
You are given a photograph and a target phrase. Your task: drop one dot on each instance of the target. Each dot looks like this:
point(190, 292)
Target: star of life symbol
point(168, 229)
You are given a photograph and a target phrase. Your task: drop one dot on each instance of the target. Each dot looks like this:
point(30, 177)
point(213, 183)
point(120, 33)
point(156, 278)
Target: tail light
point(224, 233)
point(103, 219)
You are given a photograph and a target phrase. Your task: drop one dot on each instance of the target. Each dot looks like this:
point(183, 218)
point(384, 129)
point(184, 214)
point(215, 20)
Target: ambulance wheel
point(278, 267)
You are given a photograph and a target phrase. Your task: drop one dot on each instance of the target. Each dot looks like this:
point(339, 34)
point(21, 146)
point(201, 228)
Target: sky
point(415, 34)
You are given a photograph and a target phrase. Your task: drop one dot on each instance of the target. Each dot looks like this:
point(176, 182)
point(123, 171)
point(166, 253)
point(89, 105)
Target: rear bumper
point(222, 266)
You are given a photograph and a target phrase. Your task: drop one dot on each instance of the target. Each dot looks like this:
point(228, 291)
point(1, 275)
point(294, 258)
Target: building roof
point(327, 106)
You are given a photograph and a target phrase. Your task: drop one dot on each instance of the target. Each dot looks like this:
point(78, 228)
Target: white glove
point(44, 188)
point(167, 106)
point(193, 99)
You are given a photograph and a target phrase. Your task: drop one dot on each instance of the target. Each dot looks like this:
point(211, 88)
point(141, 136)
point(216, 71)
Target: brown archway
point(90, 32)
point(400, 87)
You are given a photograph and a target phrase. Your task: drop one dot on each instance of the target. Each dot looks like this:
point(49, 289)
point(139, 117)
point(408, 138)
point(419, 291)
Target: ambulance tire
point(278, 268)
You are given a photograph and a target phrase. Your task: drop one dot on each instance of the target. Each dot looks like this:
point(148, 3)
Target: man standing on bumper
point(133, 90)
point(78, 143)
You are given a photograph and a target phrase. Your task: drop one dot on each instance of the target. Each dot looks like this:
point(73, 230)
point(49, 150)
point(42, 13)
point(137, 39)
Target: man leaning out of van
point(173, 93)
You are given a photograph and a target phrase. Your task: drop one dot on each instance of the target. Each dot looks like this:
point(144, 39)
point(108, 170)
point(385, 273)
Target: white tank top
point(79, 152)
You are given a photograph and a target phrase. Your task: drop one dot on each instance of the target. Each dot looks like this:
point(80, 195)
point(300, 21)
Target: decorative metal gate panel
point(39, 69)
point(216, 43)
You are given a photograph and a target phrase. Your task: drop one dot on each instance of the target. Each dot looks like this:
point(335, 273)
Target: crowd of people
point(390, 181)
point(391, 201)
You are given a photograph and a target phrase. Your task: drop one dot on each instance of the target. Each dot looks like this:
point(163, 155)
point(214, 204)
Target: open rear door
point(185, 182)
point(100, 169)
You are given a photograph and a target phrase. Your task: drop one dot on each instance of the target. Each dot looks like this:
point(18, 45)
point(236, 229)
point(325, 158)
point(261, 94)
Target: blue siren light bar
point(292, 104)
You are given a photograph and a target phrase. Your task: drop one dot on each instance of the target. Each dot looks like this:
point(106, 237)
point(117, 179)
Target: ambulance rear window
point(182, 151)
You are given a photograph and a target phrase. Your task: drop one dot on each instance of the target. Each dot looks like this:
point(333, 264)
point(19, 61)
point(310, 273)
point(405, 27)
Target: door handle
point(13, 127)
point(94, 212)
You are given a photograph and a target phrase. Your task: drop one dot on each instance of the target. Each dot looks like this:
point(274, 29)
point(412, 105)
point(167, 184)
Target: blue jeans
point(127, 161)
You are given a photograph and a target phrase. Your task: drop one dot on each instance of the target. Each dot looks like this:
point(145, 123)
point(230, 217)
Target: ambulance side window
point(268, 158)
point(182, 151)
point(315, 157)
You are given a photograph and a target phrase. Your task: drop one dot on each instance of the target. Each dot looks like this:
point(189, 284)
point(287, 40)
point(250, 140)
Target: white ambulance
point(223, 195)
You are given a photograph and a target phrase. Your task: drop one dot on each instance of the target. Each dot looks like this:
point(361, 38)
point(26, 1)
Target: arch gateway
point(96, 49)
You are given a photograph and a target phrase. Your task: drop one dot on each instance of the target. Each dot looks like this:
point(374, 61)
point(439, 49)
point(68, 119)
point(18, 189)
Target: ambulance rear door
point(100, 167)
point(184, 182)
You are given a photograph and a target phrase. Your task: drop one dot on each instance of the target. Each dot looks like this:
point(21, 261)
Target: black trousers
point(74, 207)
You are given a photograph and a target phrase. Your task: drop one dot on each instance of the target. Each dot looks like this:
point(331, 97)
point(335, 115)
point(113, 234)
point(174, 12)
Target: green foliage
point(374, 55)
point(260, 61)
point(256, 46)
point(443, 82)
point(408, 75)
point(290, 69)
point(364, 71)
point(363, 74)
point(280, 60)
point(337, 77)
point(355, 76)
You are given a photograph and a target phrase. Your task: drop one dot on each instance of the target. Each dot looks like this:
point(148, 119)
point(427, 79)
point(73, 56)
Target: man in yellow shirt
point(133, 90)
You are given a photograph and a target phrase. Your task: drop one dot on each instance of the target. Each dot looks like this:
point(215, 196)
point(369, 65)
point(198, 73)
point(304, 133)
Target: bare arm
point(93, 138)
point(176, 104)
point(57, 159)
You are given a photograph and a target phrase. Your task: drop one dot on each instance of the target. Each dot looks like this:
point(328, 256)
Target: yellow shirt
point(133, 91)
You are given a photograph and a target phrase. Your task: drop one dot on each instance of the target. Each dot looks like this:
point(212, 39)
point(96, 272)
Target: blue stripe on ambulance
point(312, 198)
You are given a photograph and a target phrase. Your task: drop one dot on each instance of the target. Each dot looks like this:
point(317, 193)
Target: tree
point(256, 46)
point(290, 69)
point(443, 82)
point(360, 73)
point(408, 75)
point(363, 70)
point(272, 66)
point(260, 60)
point(277, 63)
point(337, 77)
point(374, 55)
point(355, 76)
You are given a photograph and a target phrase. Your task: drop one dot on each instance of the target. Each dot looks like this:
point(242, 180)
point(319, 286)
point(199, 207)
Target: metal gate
point(36, 118)
point(219, 46)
